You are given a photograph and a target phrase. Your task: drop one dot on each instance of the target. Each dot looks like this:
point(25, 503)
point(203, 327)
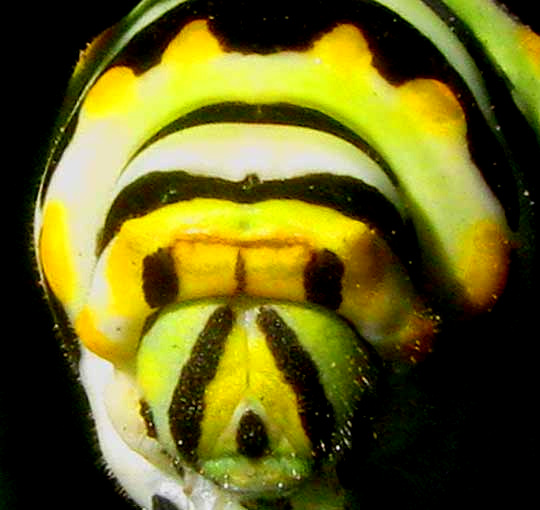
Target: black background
point(464, 431)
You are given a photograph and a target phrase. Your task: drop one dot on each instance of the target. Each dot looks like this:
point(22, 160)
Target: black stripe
point(187, 405)
point(159, 279)
point(351, 197)
point(300, 372)
point(275, 113)
point(322, 279)
point(240, 273)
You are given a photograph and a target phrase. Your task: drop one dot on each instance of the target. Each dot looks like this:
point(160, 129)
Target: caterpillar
point(252, 216)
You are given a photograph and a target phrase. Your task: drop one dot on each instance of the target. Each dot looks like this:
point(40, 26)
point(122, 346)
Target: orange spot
point(344, 48)
point(56, 254)
point(484, 264)
point(531, 44)
point(433, 105)
point(114, 93)
point(193, 44)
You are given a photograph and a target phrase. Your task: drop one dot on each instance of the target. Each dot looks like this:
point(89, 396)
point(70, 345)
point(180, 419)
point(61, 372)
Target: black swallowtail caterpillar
point(247, 222)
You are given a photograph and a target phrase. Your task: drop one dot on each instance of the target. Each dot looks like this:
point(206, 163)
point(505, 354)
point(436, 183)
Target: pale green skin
point(498, 33)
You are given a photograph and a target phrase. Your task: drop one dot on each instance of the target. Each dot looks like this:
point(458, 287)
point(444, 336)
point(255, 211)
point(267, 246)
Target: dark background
point(462, 431)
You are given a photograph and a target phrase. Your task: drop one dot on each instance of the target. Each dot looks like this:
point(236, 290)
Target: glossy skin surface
point(490, 240)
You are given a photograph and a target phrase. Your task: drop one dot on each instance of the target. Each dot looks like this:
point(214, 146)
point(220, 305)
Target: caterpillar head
point(258, 397)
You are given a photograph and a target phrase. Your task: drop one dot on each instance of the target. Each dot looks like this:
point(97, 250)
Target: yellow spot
point(276, 271)
point(124, 276)
point(343, 48)
point(531, 44)
point(193, 44)
point(433, 106)
point(247, 374)
point(56, 253)
point(93, 339)
point(205, 269)
point(484, 264)
point(114, 93)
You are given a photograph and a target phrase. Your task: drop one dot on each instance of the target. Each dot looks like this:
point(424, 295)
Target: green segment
point(268, 475)
point(344, 368)
point(163, 352)
point(510, 46)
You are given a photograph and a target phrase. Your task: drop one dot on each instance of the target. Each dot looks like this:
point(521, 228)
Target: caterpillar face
point(248, 221)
